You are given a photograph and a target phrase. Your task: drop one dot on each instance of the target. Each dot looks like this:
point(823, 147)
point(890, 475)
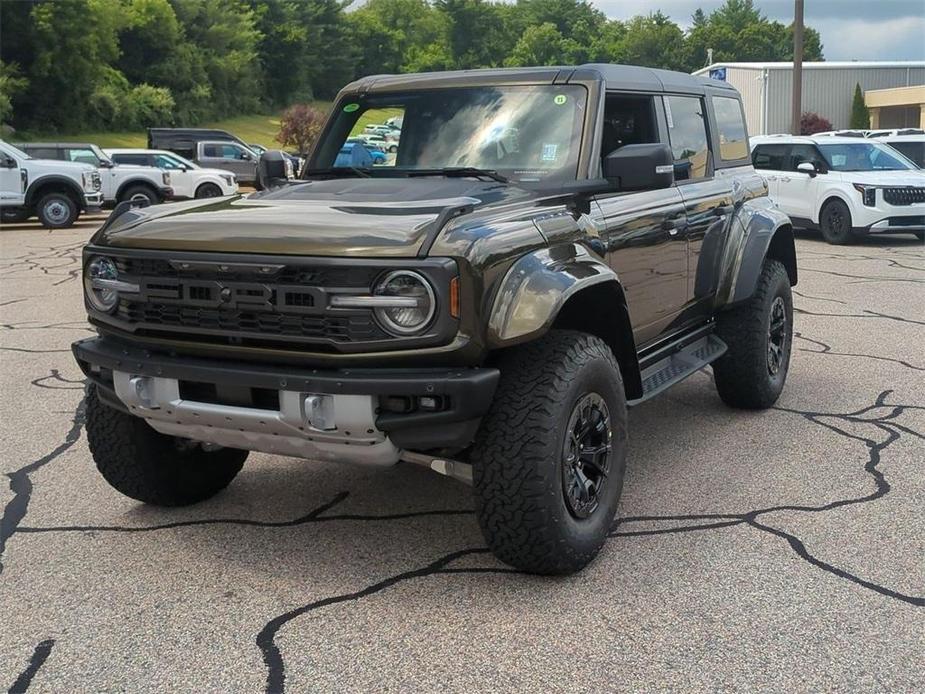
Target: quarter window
point(769, 157)
point(687, 131)
point(733, 144)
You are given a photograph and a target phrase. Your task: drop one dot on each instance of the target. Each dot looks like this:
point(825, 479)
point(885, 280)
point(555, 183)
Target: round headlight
point(415, 315)
point(98, 271)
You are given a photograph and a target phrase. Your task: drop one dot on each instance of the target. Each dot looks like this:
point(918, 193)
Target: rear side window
point(43, 152)
point(769, 157)
point(141, 159)
point(211, 151)
point(730, 124)
point(912, 150)
point(687, 131)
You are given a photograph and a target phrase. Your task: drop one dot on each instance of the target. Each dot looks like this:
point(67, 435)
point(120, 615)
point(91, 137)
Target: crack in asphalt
point(39, 656)
point(36, 259)
point(827, 349)
point(866, 314)
point(21, 483)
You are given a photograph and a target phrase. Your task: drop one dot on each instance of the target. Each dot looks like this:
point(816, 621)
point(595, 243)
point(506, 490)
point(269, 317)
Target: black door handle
point(723, 210)
point(673, 226)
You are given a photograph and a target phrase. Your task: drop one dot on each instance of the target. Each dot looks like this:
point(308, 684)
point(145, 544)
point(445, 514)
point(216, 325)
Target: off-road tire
point(208, 190)
point(140, 191)
point(835, 223)
point(743, 375)
point(150, 467)
point(49, 206)
point(518, 457)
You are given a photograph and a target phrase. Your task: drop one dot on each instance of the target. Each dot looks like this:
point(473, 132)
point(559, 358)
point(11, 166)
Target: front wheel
point(835, 223)
point(549, 458)
point(151, 467)
point(57, 211)
point(140, 193)
point(759, 337)
point(208, 190)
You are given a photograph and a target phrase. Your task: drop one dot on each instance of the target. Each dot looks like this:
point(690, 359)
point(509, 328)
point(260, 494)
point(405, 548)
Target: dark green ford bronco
point(544, 248)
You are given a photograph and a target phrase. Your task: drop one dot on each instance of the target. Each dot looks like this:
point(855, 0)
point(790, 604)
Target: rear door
point(797, 191)
point(708, 200)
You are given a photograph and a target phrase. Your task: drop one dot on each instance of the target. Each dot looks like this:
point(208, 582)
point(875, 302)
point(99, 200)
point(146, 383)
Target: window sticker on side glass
point(549, 152)
point(668, 113)
point(839, 159)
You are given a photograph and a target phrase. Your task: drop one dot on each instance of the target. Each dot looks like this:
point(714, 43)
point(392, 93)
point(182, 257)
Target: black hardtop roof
point(615, 77)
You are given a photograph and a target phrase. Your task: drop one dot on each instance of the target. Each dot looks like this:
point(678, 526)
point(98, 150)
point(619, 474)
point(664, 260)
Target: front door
point(797, 191)
point(646, 244)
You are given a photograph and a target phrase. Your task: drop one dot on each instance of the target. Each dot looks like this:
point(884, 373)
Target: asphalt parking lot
point(780, 550)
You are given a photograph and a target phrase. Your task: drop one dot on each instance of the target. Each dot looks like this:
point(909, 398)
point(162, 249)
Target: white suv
point(188, 180)
point(845, 186)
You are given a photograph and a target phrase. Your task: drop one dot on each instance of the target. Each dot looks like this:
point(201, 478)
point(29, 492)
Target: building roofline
point(820, 65)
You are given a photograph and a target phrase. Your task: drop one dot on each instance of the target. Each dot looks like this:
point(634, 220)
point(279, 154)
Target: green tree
point(654, 41)
point(860, 115)
point(11, 84)
point(539, 45)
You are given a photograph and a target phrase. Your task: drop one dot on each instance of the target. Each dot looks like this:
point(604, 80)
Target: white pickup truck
point(187, 179)
point(119, 182)
point(56, 191)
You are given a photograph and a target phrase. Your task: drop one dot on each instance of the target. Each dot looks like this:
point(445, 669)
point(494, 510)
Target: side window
point(84, 156)
point(733, 144)
point(162, 161)
point(232, 152)
point(769, 157)
point(136, 159)
point(628, 120)
point(687, 131)
point(42, 152)
point(211, 151)
point(801, 153)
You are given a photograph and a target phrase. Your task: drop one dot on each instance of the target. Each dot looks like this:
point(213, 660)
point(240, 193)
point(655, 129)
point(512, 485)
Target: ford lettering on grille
point(253, 296)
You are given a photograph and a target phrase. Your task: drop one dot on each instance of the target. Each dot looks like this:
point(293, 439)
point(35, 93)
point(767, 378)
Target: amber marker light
point(454, 297)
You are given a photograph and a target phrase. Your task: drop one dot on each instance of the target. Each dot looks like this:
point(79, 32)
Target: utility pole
point(797, 101)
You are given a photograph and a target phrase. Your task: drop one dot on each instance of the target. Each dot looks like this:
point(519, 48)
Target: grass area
point(374, 116)
point(254, 129)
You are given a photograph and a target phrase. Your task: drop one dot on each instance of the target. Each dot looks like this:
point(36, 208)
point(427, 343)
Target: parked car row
point(909, 141)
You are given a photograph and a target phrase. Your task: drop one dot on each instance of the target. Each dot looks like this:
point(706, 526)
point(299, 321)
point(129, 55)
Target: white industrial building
point(828, 89)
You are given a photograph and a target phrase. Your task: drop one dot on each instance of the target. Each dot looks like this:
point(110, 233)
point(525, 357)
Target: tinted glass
point(688, 133)
point(527, 133)
point(733, 143)
point(45, 153)
point(211, 151)
point(140, 159)
point(915, 151)
point(864, 156)
point(769, 157)
point(804, 153)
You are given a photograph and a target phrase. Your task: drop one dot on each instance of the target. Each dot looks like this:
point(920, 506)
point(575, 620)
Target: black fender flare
point(39, 183)
point(759, 231)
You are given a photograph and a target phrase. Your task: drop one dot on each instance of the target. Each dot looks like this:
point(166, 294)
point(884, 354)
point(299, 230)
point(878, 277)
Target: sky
point(850, 29)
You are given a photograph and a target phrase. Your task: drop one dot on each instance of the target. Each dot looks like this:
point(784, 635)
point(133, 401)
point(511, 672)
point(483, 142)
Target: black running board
point(679, 365)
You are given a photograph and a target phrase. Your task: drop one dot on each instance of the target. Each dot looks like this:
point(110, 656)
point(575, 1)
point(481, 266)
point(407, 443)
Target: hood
point(914, 178)
point(74, 167)
point(367, 217)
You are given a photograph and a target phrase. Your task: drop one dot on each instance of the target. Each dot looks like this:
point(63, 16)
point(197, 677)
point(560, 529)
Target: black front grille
point(906, 195)
point(246, 303)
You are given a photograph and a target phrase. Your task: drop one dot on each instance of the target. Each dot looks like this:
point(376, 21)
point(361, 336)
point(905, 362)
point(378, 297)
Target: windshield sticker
point(550, 151)
point(560, 99)
point(839, 160)
point(668, 113)
point(350, 108)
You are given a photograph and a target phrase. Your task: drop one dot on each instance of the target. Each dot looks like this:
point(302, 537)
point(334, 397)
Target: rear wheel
point(139, 193)
point(57, 211)
point(549, 459)
point(208, 190)
point(835, 222)
point(759, 336)
point(151, 467)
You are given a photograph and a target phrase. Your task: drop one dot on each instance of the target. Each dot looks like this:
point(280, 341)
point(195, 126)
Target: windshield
point(15, 150)
point(525, 133)
point(864, 156)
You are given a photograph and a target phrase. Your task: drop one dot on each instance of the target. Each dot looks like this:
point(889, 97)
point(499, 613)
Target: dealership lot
point(779, 549)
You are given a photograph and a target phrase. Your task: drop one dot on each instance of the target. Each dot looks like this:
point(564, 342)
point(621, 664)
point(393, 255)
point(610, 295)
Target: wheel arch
point(51, 184)
point(132, 182)
point(565, 288)
point(829, 196)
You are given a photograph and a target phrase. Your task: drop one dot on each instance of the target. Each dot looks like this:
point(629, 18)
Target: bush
point(812, 123)
point(299, 127)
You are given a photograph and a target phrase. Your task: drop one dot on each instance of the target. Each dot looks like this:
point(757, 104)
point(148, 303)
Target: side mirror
point(8, 163)
point(807, 167)
point(640, 167)
point(245, 156)
point(273, 169)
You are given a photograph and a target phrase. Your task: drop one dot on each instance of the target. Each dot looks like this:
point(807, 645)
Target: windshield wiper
point(460, 172)
point(335, 170)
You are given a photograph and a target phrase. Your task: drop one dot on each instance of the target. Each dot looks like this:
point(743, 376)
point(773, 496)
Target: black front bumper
point(466, 392)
